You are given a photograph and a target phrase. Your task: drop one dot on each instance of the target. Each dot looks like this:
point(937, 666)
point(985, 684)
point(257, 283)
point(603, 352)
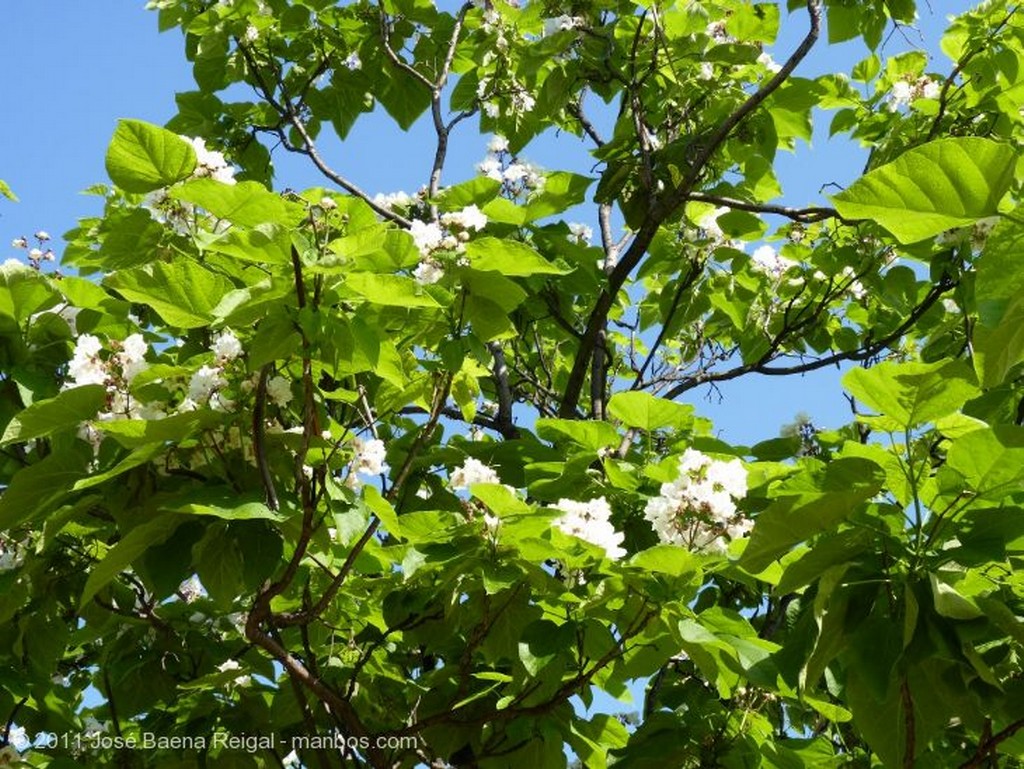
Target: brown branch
point(259, 439)
point(988, 745)
point(802, 215)
point(863, 353)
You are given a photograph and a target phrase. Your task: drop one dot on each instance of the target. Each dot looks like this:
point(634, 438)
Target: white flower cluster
point(11, 556)
point(392, 200)
point(561, 24)
point(36, 254)
point(472, 471)
point(229, 666)
point(520, 100)
point(698, 509)
point(580, 233)
point(766, 60)
point(449, 235)
point(210, 163)
point(590, 521)
point(368, 460)
point(767, 260)
point(205, 385)
point(716, 31)
point(518, 177)
point(904, 91)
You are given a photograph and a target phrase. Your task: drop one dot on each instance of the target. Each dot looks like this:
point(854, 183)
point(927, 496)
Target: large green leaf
point(246, 203)
point(643, 410)
point(510, 257)
point(932, 188)
point(62, 412)
point(220, 502)
point(143, 157)
point(130, 547)
point(391, 290)
point(991, 461)
point(810, 503)
point(183, 291)
point(41, 486)
point(913, 394)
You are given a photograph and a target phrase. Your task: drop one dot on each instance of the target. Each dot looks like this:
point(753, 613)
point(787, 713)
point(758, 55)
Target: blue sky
point(73, 68)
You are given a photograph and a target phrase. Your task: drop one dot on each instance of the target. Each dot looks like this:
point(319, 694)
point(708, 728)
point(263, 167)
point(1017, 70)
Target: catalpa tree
point(347, 476)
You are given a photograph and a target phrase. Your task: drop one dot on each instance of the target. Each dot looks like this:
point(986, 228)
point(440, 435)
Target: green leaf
point(932, 188)
point(7, 192)
point(247, 203)
point(382, 509)
point(913, 393)
point(221, 503)
point(562, 190)
point(510, 257)
point(264, 244)
point(40, 486)
point(666, 559)
point(643, 410)
point(139, 456)
point(810, 504)
point(389, 290)
point(991, 460)
point(130, 547)
point(590, 435)
point(143, 157)
point(62, 412)
point(183, 291)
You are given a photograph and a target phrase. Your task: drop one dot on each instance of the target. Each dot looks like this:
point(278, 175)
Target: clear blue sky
point(72, 68)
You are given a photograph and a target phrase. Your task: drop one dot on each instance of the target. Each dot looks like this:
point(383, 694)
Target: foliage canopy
point(409, 473)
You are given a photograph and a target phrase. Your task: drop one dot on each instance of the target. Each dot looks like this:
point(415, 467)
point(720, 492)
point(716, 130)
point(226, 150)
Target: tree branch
point(661, 212)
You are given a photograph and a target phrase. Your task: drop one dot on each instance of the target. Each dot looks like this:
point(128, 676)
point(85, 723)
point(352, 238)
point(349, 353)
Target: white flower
point(203, 383)
point(133, 356)
point(231, 665)
point(85, 366)
point(328, 203)
point(251, 34)
point(522, 102)
point(19, 243)
point(472, 471)
point(210, 163)
point(767, 260)
point(426, 235)
point(18, 737)
point(590, 521)
point(716, 31)
point(42, 235)
point(698, 509)
point(491, 168)
point(192, 589)
point(855, 288)
point(581, 233)
point(35, 254)
point(370, 456)
point(12, 267)
point(92, 727)
point(469, 218)
point(707, 71)
point(498, 143)
point(930, 89)
point(392, 199)
point(291, 761)
point(279, 390)
point(902, 93)
point(766, 60)
point(709, 223)
point(427, 272)
point(10, 558)
point(353, 62)
point(560, 24)
point(491, 109)
point(226, 346)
